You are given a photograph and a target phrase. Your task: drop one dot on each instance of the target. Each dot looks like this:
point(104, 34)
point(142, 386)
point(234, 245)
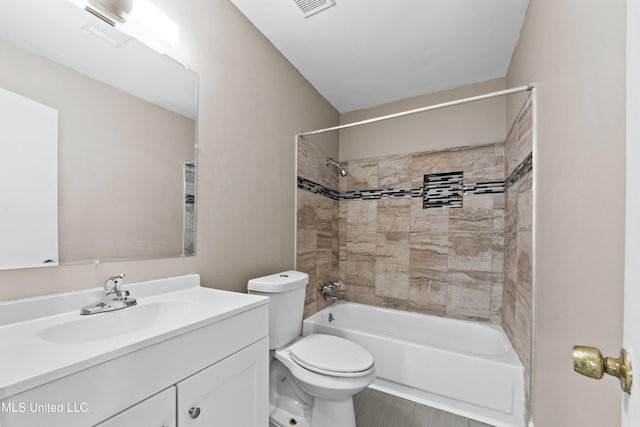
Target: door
point(630, 411)
point(233, 392)
point(631, 341)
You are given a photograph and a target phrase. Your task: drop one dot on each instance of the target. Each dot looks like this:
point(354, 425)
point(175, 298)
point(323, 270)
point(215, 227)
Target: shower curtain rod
point(423, 109)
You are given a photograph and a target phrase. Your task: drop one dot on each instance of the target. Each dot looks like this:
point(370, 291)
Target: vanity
point(185, 355)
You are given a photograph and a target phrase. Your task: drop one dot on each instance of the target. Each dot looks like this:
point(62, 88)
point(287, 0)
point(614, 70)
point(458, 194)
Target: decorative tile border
point(439, 190)
point(485, 188)
point(442, 189)
point(313, 187)
point(390, 193)
point(523, 168)
point(305, 184)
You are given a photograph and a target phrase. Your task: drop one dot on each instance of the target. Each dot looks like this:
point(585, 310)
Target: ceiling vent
point(103, 30)
point(310, 7)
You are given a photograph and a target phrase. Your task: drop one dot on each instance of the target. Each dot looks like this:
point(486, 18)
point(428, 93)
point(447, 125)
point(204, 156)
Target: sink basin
point(118, 323)
point(44, 339)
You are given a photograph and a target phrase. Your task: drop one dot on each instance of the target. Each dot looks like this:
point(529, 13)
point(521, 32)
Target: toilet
point(312, 379)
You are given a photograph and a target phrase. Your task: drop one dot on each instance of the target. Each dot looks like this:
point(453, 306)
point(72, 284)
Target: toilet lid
point(329, 354)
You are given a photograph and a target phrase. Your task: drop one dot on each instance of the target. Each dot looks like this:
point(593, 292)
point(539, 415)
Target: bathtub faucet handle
point(329, 287)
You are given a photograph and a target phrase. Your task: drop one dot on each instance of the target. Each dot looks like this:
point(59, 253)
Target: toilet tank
point(286, 293)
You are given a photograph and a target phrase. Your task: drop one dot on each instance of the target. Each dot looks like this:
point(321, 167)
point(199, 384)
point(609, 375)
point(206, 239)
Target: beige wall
point(476, 123)
point(252, 102)
point(575, 53)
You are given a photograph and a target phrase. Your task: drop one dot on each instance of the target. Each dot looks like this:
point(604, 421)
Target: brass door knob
point(590, 362)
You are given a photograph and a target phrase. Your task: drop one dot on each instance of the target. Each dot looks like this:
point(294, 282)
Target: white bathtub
point(462, 367)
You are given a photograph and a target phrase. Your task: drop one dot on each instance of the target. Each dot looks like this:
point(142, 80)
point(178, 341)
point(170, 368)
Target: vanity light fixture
point(137, 18)
point(117, 10)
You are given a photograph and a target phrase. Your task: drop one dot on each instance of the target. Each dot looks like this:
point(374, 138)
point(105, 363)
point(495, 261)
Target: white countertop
point(28, 358)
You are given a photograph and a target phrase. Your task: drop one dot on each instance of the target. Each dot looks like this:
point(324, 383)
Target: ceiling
point(54, 30)
point(363, 53)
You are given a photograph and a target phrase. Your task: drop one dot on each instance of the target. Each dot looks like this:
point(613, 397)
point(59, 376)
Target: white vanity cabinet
point(228, 393)
point(212, 356)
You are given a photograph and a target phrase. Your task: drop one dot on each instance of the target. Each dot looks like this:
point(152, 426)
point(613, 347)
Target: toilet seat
point(331, 355)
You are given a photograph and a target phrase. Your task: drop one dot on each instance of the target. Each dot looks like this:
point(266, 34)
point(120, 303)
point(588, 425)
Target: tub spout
point(331, 298)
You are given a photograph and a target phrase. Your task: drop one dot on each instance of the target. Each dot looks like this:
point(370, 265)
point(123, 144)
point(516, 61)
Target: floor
point(377, 409)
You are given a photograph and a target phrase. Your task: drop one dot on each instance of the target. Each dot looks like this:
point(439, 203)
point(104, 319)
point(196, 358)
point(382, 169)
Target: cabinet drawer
point(157, 411)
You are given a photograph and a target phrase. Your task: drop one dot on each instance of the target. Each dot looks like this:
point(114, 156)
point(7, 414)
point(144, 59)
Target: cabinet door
point(157, 411)
point(233, 392)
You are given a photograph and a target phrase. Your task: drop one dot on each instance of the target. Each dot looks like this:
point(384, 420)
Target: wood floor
point(376, 409)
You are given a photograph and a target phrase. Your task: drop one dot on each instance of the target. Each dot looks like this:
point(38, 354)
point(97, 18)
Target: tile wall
point(419, 252)
point(372, 232)
point(394, 238)
point(518, 244)
point(317, 223)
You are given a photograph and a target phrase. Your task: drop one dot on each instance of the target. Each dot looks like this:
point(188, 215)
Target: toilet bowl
point(327, 366)
point(312, 378)
point(331, 370)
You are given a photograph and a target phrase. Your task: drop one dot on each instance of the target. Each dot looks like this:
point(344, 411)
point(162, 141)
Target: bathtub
point(462, 367)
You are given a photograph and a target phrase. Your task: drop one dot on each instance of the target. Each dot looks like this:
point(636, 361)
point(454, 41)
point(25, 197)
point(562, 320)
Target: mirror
point(126, 131)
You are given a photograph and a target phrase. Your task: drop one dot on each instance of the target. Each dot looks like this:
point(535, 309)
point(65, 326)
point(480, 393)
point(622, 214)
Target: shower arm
point(343, 171)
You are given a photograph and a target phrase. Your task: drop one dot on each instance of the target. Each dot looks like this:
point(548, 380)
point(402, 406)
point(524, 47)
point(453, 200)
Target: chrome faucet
point(327, 288)
point(114, 298)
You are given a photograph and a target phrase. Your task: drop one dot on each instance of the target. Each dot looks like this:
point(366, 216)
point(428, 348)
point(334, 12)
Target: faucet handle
point(328, 287)
point(122, 293)
point(112, 284)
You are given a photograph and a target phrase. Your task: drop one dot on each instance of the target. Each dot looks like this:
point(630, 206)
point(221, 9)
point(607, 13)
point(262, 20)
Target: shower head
point(343, 171)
